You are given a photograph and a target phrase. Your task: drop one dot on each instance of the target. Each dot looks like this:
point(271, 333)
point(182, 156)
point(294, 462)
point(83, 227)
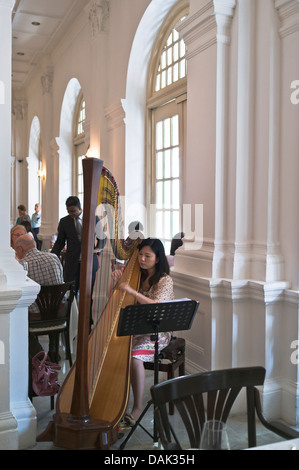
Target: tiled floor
point(140, 440)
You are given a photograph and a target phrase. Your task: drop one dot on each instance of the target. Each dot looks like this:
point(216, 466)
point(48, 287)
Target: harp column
point(17, 415)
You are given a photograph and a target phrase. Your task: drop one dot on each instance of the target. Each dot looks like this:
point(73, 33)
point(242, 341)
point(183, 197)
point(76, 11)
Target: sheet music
point(173, 315)
point(184, 299)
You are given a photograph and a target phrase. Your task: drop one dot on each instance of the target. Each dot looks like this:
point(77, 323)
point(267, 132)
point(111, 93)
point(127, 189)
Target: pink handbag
point(44, 375)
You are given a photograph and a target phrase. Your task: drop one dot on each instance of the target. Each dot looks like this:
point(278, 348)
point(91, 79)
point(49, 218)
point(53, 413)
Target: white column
point(14, 305)
point(13, 190)
point(5, 113)
point(245, 139)
point(275, 262)
point(284, 224)
point(19, 108)
point(98, 17)
point(10, 271)
point(49, 194)
point(223, 11)
point(16, 292)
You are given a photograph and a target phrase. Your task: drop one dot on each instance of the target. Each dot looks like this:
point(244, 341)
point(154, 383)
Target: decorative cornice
point(198, 31)
point(207, 26)
point(224, 12)
point(47, 80)
point(98, 16)
point(7, 4)
point(259, 291)
point(54, 146)
point(9, 299)
point(224, 7)
point(288, 12)
point(234, 291)
point(115, 116)
point(19, 109)
point(285, 4)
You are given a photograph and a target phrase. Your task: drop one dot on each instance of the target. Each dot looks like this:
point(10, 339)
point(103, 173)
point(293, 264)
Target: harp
point(94, 395)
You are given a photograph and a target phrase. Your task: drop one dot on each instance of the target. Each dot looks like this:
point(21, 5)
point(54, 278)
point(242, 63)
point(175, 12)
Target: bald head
point(24, 244)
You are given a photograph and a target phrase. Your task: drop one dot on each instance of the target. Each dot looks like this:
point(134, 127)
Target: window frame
point(176, 93)
point(78, 142)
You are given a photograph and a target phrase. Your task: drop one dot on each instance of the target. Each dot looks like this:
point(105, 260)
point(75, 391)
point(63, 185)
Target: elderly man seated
point(45, 269)
point(16, 232)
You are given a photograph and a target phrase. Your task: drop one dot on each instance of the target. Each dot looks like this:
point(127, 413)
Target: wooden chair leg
point(68, 347)
point(177, 361)
point(170, 375)
point(57, 347)
point(182, 368)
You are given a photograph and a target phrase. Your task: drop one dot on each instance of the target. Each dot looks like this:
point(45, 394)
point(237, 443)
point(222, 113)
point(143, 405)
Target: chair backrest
point(204, 396)
point(50, 301)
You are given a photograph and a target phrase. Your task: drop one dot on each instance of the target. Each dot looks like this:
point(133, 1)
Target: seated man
point(45, 269)
point(16, 232)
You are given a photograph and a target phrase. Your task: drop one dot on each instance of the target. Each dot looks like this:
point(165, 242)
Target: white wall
point(246, 274)
point(17, 415)
point(242, 165)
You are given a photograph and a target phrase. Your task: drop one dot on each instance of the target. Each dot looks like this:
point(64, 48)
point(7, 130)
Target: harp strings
point(106, 298)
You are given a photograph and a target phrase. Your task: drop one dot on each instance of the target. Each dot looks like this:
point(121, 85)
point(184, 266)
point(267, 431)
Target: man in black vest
point(69, 234)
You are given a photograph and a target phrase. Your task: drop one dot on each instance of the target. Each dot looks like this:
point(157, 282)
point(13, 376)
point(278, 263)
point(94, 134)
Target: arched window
point(81, 118)
point(79, 144)
point(172, 66)
point(166, 103)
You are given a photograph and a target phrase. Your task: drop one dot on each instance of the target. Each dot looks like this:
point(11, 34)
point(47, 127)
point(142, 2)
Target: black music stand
point(153, 319)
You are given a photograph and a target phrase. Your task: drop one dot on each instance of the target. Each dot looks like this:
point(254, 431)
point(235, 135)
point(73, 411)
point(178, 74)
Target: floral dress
point(143, 347)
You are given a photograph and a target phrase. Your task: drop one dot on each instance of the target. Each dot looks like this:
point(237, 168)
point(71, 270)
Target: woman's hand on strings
point(124, 286)
point(116, 275)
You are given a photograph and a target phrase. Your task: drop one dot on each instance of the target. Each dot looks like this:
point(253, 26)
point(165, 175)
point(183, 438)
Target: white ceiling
point(30, 42)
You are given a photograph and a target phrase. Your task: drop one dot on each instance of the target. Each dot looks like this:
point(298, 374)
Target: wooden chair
point(55, 315)
point(220, 389)
point(171, 358)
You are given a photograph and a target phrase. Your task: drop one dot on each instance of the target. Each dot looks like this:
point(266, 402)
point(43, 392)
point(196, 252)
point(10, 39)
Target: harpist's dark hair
point(176, 242)
point(162, 266)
